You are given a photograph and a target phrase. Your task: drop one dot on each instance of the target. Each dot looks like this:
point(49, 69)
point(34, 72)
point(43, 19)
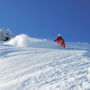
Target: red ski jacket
point(60, 40)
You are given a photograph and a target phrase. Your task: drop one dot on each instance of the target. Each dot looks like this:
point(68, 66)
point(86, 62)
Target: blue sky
point(47, 18)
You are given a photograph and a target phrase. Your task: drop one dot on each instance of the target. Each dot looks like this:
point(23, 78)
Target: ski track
point(44, 69)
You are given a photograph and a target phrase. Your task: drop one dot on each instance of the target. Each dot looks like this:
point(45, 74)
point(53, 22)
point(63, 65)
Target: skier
point(60, 40)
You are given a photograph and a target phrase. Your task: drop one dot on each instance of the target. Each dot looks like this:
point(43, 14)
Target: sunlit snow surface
point(38, 64)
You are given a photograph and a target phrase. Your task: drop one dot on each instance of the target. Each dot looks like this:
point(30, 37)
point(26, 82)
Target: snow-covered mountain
point(38, 64)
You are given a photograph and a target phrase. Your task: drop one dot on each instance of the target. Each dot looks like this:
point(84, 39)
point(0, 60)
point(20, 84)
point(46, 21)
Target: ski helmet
point(59, 35)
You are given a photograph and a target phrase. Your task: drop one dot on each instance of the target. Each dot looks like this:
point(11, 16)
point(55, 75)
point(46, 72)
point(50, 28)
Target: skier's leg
point(63, 44)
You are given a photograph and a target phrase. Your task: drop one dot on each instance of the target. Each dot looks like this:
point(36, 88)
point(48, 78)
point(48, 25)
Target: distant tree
point(1, 34)
point(8, 35)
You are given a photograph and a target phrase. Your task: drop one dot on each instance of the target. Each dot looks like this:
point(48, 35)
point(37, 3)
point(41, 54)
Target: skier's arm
point(62, 39)
point(56, 39)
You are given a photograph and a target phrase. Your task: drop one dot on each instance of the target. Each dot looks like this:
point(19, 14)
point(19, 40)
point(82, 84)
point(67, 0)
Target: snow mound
point(24, 40)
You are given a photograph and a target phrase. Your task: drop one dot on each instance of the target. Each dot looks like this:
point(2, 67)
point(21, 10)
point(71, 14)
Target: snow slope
point(38, 64)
